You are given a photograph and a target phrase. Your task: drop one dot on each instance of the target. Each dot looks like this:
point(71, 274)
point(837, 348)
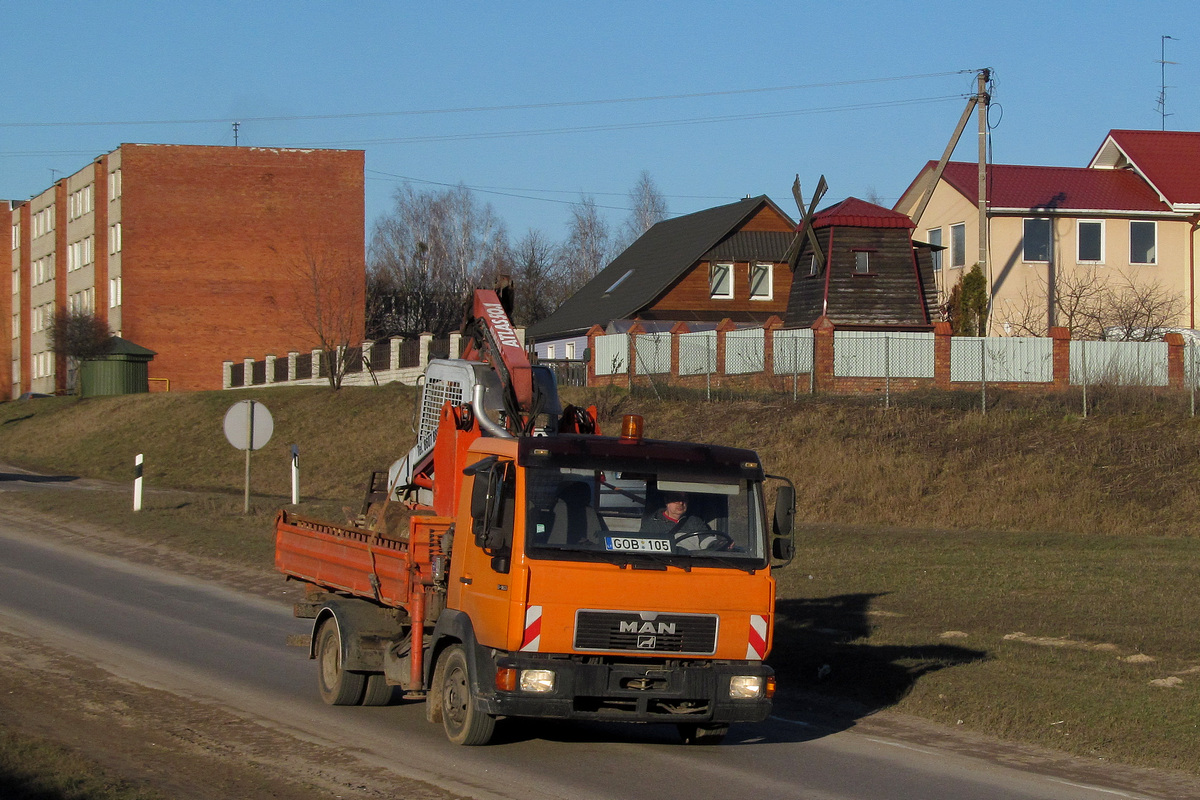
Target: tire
point(703, 734)
point(378, 691)
point(464, 723)
point(338, 686)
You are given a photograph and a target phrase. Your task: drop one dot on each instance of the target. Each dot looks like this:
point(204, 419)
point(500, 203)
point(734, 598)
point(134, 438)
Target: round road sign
point(248, 425)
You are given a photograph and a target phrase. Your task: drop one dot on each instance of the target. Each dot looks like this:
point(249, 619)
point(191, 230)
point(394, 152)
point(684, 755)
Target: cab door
point(481, 584)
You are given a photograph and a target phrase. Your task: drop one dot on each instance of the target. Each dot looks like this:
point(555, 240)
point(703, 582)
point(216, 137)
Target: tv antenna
point(1162, 90)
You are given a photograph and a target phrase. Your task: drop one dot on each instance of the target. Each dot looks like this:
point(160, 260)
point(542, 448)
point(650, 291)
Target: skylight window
point(618, 282)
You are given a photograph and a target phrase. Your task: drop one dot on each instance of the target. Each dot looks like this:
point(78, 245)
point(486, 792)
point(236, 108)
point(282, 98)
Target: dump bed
point(364, 563)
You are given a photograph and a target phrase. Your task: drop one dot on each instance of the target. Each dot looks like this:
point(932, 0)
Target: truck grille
point(646, 632)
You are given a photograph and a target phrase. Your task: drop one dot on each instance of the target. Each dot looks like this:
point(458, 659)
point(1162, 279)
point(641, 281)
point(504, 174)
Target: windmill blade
point(805, 228)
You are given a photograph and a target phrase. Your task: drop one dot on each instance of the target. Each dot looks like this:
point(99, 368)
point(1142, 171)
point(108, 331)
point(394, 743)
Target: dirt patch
point(179, 747)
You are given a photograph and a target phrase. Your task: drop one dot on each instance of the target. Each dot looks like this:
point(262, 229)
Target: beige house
point(1128, 220)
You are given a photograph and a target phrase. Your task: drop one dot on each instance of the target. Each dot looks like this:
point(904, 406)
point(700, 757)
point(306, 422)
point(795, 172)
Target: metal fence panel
point(1119, 363)
point(744, 351)
point(1003, 359)
point(793, 351)
point(653, 351)
point(698, 353)
point(612, 353)
point(872, 354)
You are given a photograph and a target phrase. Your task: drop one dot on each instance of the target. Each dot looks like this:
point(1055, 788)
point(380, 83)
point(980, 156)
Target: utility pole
point(236, 125)
point(981, 107)
point(1162, 69)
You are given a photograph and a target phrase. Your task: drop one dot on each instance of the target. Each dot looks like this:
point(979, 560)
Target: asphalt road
point(209, 643)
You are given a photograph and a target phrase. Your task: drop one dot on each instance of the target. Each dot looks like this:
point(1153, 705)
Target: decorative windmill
point(805, 229)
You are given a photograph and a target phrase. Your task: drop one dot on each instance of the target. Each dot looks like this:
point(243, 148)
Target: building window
point(570, 346)
point(958, 245)
point(549, 351)
point(1143, 242)
point(761, 285)
point(720, 281)
point(114, 184)
point(114, 292)
point(862, 262)
point(1089, 242)
point(16, 228)
point(1035, 244)
point(935, 253)
point(813, 268)
point(114, 238)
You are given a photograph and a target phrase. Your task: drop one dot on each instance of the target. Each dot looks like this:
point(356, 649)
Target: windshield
point(639, 517)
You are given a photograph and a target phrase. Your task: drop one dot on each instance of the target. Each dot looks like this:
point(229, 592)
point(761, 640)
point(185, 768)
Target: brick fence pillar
point(226, 374)
point(247, 372)
point(424, 341)
point(1061, 356)
point(943, 336)
point(292, 356)
point(1175, 371)
point(823, 354)
point(395, 343)
point(590, 356)
point(270, 370)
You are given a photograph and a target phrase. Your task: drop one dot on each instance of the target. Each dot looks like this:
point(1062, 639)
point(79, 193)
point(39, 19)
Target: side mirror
point(783, 543)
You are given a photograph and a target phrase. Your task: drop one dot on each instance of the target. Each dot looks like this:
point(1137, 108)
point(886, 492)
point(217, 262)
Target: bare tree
point(1091, 306)
point(426, 256)
point(588, 246)
point(649, 208)
point(534, 261)
point(329, 306)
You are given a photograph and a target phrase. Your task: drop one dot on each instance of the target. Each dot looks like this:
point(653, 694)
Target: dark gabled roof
point(652, 263)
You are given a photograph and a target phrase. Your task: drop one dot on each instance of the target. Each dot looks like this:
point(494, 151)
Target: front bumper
point(676, 691)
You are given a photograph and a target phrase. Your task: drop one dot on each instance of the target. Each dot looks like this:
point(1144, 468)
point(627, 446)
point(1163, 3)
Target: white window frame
point(114, 184)
point(570, 351)
point(813, 269)
point(114, 292)
point(114, 238)
point(958, 245)
point(16, 234)
point(862, 262)
point(769, 269)
point(1079, 223)
point(1154, 227)
point(935, 254)
point(714, 270)
point(1025, 240)
point(549, 351)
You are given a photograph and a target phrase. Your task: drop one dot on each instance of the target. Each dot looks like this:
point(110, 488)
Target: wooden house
point(869, 275)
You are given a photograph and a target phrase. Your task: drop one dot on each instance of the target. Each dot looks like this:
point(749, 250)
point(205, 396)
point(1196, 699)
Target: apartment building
point(202, 254)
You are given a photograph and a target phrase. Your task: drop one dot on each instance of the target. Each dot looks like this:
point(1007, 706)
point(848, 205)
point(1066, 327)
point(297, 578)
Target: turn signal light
point(506, 679)
point(631, 429)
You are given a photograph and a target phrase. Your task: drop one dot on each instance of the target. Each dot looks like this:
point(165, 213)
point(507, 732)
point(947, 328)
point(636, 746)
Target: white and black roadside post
point(137, 483)
point(295, 474)
point(248, 426)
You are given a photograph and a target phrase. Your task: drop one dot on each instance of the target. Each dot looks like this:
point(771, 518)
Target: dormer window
point(720, 281)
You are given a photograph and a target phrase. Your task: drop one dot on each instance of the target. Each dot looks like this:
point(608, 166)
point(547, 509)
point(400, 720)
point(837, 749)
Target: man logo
point(637, 626)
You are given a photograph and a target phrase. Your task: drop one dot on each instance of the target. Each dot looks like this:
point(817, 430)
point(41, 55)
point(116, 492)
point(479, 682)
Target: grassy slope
point(932, 536)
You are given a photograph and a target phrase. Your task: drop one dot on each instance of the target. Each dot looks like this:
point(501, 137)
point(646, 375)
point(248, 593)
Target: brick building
point(202, 254)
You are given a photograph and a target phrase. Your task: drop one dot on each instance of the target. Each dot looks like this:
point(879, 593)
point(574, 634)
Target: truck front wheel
point(464, 723)
point(338, 686)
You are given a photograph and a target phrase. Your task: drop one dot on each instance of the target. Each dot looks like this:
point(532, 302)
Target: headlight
point(537, 680)
point(746, 687)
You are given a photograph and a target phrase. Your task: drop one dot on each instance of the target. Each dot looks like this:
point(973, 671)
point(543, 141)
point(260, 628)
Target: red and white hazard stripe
point(756, 645)
point(532, 639)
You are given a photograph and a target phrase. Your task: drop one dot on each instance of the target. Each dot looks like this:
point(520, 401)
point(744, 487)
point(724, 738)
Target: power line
point(475, 109)
point(455, 137)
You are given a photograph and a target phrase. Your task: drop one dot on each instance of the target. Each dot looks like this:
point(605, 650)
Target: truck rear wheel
point(378, 691)
point(338, 686)
point(464, 723)
point(703, 734)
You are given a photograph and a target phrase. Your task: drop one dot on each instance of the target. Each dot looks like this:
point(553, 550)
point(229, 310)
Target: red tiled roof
point(855, 213)
point(1169, 159)
point(1054, 188)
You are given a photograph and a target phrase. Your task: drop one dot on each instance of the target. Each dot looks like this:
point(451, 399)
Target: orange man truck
point(540, 575)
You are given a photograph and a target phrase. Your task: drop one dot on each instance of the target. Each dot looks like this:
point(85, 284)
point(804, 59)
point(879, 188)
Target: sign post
point(248, 426)
point(295, 474)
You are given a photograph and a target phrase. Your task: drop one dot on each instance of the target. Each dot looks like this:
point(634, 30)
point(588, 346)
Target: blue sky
point(393, 79)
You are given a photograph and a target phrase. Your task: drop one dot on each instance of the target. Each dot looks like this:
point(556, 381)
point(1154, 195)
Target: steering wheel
point(719, 541)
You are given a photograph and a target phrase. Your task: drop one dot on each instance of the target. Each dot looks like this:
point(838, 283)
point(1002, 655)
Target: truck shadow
point(829, 673)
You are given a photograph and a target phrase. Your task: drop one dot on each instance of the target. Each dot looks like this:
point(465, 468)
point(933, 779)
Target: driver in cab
point(686, 531)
